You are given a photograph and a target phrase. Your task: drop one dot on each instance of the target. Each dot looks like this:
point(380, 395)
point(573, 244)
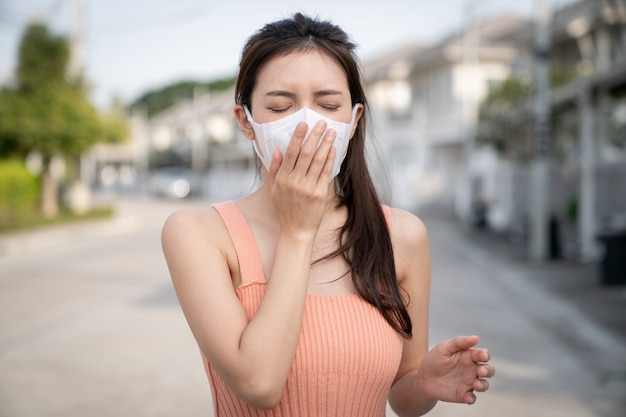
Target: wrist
point(297, 237)
point(421, 382)
point(298, 244)
point(424, 385)
point(408, 396)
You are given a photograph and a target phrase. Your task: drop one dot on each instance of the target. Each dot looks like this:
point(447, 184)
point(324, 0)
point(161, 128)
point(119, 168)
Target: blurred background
point(502, 122)
point(506, 114)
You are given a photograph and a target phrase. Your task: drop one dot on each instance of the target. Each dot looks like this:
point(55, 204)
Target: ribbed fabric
point(346, 358)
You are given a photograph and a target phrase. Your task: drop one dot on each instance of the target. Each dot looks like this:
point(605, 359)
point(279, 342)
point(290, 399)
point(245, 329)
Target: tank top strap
point(250, 265)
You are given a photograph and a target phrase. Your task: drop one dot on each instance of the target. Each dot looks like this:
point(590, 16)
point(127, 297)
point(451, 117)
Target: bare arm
point(453, 369)
point(253, 357)
point(412, 254)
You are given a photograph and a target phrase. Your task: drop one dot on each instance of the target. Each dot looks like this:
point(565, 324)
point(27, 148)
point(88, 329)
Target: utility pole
point(540, 170)
point(80, 193)
point(587, 212)
point(471, 39)
point(77, 44)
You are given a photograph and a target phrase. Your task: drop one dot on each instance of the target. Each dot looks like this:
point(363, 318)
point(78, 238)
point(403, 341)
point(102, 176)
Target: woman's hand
point(453, 369)
point(300, 178)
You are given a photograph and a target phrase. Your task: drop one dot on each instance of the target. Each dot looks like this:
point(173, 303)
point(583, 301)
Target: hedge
point(19, 192)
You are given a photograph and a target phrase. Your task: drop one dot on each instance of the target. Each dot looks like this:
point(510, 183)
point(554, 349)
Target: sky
point(132, 46)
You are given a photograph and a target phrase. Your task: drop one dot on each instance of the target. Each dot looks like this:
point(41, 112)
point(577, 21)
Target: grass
point(64, 217)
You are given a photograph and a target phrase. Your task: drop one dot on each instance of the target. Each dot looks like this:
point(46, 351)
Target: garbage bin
point(613, 261)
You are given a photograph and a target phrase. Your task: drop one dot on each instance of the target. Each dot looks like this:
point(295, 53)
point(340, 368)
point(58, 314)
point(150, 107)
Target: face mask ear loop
point(346, 139)
point(354, 110)
point(260, 155)
point(265, 159)
point(352, 122)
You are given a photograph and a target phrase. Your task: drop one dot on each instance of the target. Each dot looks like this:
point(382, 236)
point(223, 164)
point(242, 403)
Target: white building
point(424, 103)
point(198, 136)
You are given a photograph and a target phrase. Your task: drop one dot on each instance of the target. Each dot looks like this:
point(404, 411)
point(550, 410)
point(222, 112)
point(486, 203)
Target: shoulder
point(192, 226)
point(406, 228)
point(196, 240)
point(190, 220)
point(409, 237)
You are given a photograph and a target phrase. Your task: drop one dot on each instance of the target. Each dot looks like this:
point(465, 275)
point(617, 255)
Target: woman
point(308, 297)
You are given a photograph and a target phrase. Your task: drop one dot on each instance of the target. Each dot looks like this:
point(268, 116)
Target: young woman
point(308, 297)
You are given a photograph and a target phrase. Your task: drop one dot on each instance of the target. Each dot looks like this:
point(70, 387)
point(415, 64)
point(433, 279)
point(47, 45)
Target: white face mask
point(277, 134)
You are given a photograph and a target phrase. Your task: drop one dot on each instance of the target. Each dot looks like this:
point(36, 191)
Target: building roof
point(493, 37)
point(498, 35)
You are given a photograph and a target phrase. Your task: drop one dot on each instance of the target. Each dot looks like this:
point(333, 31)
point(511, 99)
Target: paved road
point(89, 326)
point(551, 360)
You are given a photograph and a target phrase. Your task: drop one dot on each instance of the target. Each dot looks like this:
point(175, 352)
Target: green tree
point(505, 120)
point(502, 121)
point(47, 111)
point(114, 126)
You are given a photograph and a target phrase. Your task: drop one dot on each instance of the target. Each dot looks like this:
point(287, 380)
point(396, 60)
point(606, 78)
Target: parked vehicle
point(171, 182)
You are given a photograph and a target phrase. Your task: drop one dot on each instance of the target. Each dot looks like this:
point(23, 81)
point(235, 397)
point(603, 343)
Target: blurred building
point(201, 135)
point(196, 141)
point(425, 103)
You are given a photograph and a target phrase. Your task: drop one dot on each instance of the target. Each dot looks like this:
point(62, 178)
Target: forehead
point(302, 69)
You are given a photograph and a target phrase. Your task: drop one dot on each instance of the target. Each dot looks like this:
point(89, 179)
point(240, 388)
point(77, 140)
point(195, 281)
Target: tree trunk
point(49, 190)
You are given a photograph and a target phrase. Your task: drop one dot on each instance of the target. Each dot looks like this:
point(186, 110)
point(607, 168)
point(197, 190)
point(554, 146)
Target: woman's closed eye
point(329, 107)
point(280, 109)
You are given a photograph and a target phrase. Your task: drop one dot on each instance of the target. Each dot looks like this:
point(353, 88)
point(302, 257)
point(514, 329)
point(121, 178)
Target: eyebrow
point(320, 93)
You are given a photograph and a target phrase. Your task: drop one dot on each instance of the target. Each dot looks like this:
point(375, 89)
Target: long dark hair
point(365, 241)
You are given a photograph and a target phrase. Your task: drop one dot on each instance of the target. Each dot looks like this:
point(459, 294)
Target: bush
point(19, 193)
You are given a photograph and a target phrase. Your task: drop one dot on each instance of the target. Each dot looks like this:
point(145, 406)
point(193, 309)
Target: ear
point(357, 117)
point(244, 124)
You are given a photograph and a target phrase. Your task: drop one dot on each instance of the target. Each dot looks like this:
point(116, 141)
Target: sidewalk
point(555, 333)
point(575, 283)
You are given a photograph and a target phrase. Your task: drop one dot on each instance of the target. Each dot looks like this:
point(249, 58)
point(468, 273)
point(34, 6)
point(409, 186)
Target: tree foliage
point(505, 121)
point(47, 111)
point(50, 120)
point(502, 121)
point(115, 129)
point(43, 59)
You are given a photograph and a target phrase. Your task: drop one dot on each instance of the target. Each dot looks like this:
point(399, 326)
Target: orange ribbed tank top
point(346, 358)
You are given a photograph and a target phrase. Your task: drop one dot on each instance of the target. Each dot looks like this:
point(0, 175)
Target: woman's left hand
point(454, 369)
